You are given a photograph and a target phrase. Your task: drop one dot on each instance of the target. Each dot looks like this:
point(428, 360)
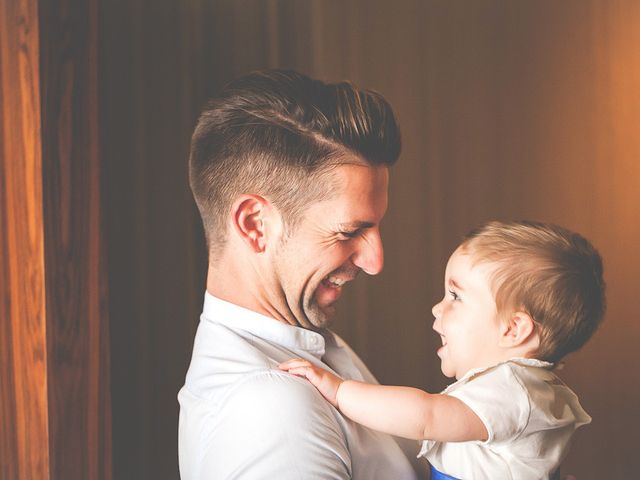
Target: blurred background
point(508, 110)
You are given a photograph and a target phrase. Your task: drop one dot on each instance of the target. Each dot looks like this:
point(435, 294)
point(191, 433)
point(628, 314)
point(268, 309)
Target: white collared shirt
point(243, 418)
point(529, 414)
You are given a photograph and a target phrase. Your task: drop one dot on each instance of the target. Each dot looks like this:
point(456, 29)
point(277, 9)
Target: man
point(290, 176)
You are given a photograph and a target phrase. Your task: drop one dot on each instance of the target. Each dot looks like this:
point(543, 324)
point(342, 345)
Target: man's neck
point(241, 285)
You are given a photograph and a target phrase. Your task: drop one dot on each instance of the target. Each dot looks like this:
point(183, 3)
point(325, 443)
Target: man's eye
point(350, 234)
point(454, 295)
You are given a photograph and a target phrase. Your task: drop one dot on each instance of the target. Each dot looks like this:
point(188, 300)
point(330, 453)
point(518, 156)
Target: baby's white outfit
point(529, 414)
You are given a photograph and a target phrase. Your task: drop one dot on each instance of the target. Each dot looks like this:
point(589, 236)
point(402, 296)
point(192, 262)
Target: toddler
point(518, 297)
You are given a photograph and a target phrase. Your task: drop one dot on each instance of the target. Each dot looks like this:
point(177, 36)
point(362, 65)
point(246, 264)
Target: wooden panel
point(24, 450)
point(77, 329)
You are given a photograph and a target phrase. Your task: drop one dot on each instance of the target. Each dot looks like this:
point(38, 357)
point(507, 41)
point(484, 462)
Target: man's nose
point(369, 256)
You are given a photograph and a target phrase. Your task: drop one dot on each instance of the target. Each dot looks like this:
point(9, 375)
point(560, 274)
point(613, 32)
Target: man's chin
point(321, 317)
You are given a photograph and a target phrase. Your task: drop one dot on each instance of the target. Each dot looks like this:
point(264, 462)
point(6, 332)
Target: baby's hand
point(327, 383)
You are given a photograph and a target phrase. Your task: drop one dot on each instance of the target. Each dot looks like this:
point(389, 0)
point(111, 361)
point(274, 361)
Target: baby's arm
point(402, 411)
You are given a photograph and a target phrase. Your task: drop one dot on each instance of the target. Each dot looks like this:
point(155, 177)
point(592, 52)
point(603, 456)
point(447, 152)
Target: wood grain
point(54, 390)
point(24, 445)
point(77, 327)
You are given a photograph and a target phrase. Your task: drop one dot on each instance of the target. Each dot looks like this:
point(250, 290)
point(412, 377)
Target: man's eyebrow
point(355, 225)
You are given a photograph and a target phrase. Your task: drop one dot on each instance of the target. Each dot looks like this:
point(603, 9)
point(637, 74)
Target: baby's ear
point(519, 331)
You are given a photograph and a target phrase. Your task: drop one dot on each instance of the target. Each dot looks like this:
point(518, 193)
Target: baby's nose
point(436, 309)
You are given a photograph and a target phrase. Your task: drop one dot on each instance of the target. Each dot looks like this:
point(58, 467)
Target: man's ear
point(520, 330)
point(249, 214)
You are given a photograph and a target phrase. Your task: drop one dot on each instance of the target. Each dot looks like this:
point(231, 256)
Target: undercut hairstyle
point(552, 274)
point(279, 134)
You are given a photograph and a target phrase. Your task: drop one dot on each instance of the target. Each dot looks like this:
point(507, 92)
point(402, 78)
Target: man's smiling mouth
point(333, 281)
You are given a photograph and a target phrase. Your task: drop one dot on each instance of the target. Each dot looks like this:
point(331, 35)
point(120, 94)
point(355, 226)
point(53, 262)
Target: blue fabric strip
point(436, 475)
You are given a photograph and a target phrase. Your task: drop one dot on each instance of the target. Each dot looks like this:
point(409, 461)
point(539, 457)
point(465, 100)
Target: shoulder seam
point(526, 392)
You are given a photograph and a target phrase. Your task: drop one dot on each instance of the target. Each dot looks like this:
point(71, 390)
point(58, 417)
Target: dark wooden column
point(77, 329)
point(54, 375)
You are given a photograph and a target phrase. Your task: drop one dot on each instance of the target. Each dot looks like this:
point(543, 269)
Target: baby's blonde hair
point(552, 274)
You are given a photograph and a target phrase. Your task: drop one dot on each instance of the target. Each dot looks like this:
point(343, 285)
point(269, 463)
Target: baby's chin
point(447, 372)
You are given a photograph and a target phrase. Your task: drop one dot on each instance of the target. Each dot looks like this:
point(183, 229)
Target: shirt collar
point(219, 311)
point(529, 362)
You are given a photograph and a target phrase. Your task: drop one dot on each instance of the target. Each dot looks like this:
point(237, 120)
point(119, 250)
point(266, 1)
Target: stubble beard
point(316, 316)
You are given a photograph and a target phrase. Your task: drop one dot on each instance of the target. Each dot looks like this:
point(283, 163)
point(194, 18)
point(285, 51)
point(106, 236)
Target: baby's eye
point(454, 295)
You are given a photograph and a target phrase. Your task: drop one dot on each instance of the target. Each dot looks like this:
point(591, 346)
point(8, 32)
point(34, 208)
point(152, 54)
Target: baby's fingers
point(309, 373)
point(294, 363)
point(301, 371)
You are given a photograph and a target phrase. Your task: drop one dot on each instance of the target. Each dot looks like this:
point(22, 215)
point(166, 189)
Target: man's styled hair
point(550, 273)
point(276, 133)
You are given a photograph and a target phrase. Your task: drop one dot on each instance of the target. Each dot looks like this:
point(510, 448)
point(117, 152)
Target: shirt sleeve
point(275, 425)
point(499, 399)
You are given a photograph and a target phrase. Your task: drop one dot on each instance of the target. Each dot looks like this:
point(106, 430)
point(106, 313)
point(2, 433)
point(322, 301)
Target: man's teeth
point(338, 282)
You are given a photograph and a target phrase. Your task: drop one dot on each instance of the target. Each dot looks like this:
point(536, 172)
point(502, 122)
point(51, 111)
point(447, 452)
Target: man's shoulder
point(265, 389)
point(221, 357)
point(265, 401)
point(277, 396)
point(269, 423)
point(230, 364)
